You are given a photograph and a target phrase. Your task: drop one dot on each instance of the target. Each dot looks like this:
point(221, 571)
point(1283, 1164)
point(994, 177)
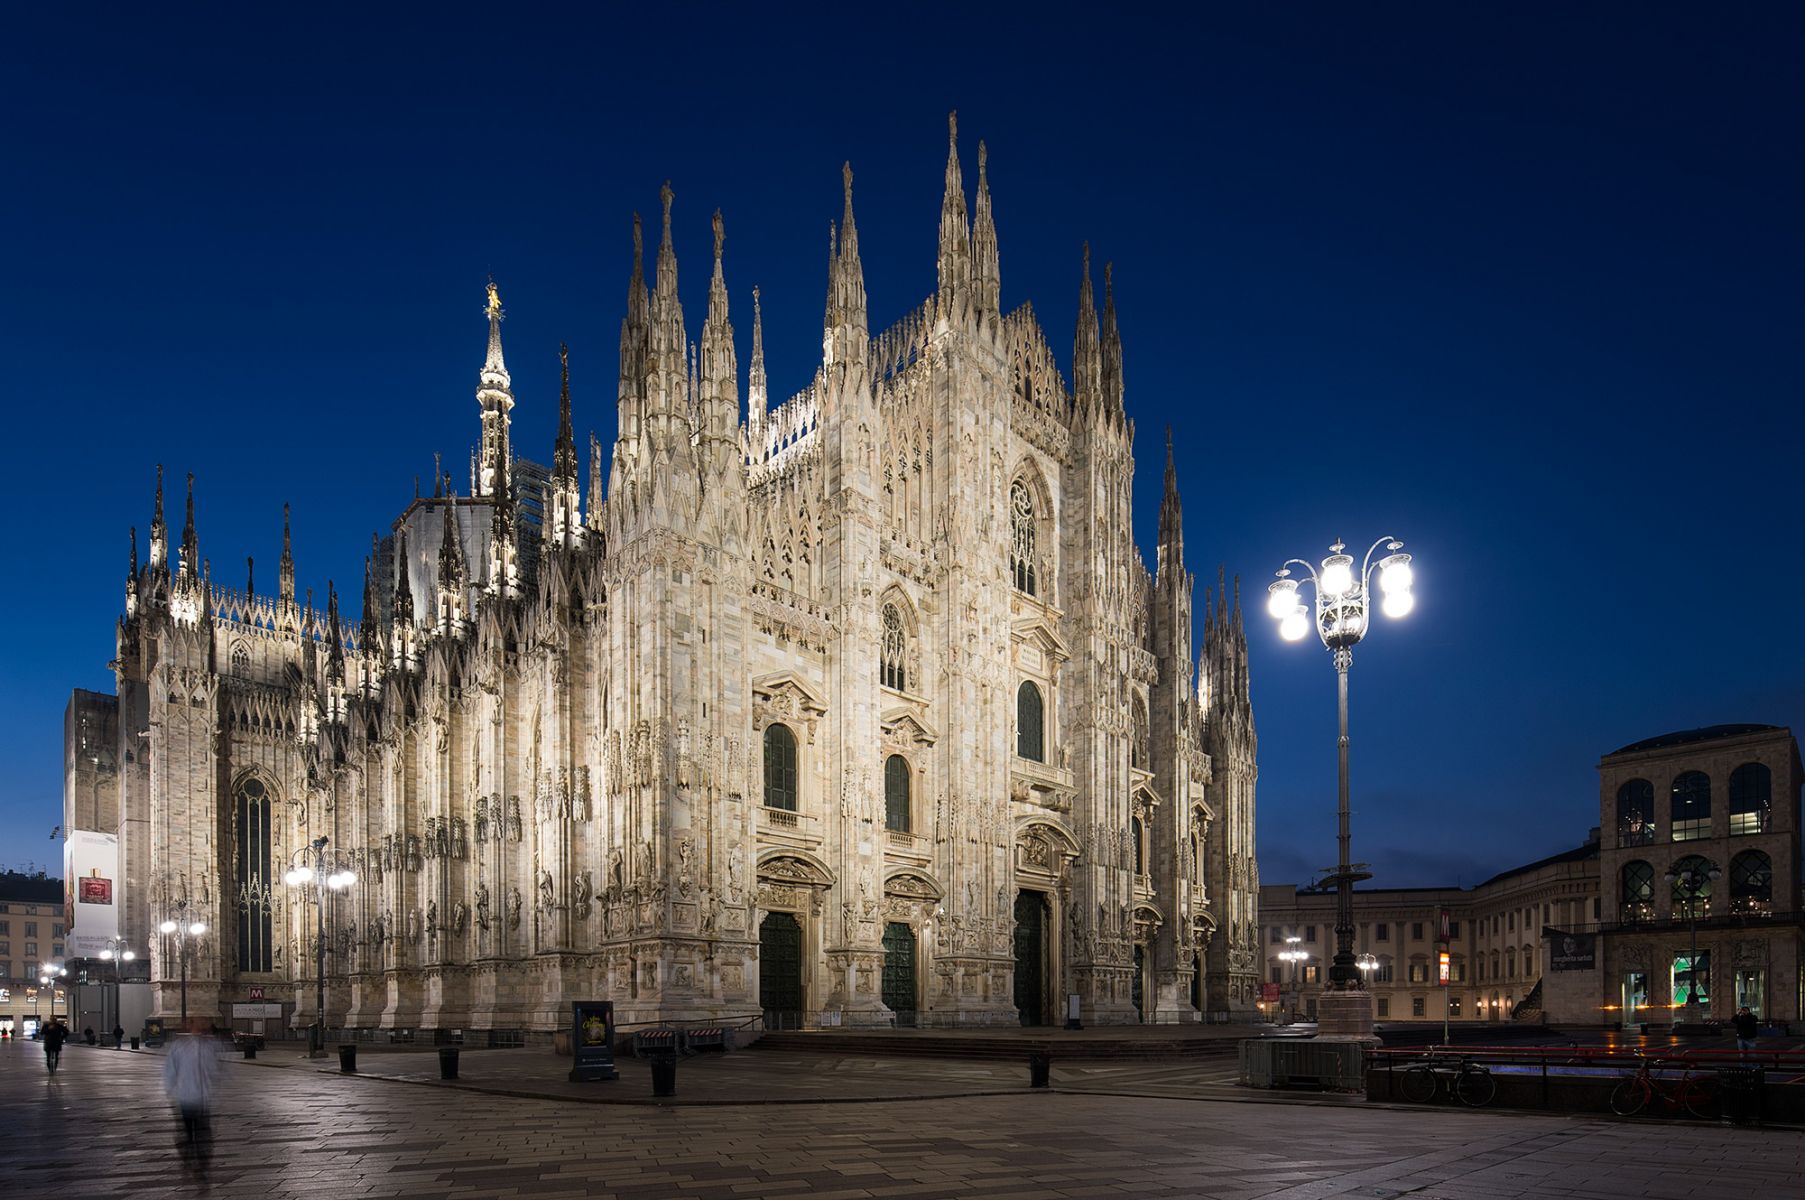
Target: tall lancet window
point(892, 667)
point(1022, 537)
point(254, 899)
point(1030, 739)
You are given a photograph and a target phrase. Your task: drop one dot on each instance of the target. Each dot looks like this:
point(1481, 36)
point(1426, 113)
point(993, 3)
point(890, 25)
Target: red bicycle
point(1693, 1092)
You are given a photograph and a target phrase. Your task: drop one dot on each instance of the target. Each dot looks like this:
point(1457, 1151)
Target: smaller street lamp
point(1295, 954)
point(183, 930)
point(315, 875)
point(48, 974)
point(1695, 882)
point(117, 952)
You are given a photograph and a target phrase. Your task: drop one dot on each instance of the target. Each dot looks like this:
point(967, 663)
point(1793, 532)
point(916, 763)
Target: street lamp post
point(1342, 619)
point(183, 930)
point(48, 974)
point(1694, 880)
point(117, 952)
point(1295, 954)
point(303, 874)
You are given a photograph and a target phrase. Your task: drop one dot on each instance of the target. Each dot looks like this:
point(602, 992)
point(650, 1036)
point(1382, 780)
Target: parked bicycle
point(1467, 1081)
point(1693, 1092)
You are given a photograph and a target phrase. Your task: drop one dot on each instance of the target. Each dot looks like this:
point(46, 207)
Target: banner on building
point(1572, 951)
point(91, 865)
point(1269, 992)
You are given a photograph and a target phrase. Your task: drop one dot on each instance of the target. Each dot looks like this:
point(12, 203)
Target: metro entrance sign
point(255, 993)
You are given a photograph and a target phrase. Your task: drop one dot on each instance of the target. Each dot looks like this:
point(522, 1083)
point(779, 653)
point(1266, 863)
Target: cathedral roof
point(1685, 737)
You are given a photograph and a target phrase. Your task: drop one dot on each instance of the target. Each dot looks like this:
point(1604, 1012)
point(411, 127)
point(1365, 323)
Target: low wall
point(1782, 1103)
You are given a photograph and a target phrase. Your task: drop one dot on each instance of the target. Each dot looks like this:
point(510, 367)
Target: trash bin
point(250, 1049)
point(448, 1062)
point(347, 1058)
point(134, 1043)
point(1742, 1094)
point(1039, 1066)
point(664, 1074)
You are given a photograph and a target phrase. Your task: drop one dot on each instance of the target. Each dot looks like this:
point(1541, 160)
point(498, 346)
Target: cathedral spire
point(757, 389)
point(403, 607)
point(564, 452)
point(159, 532)
point(1112, 349)
point(495, 397)
point(566, 489)
point(955, 255)
point(250, 579)
point(1087, 380)
point(335, 640)
point(635, 341)
point(286, 569)
point(368, 631)
point(1171, 512)
point(191, 554)
point(986, 271)
point(133, 574)
point(848, 338)
point(719, 369)
point(668, 338)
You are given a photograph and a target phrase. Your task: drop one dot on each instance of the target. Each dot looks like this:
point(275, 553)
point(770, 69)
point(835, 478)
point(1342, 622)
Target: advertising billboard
point(91, 863)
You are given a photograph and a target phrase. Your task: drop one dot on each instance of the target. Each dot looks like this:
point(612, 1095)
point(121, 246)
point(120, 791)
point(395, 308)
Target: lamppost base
point(1345, 1014)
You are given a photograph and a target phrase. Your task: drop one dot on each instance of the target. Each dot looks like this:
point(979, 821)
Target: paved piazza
point(286, 1129)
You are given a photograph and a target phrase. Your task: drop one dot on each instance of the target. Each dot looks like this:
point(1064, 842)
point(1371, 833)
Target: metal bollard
point(1040, 1066)
point(347, 1058)
point(448, 1062)
point(664, 1074)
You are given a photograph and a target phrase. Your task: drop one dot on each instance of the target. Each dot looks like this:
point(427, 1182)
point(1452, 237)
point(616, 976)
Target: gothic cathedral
point(862, 709)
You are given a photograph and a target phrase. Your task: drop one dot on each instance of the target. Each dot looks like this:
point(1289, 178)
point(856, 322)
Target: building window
point(1137, 746)
point(1278, 935)
point(1695, 900)
point(1309, 933)
point(1416, 931)
point(1417, 1007)
point(1419, 972)
point(1382, 932)
point(1751, 798)
point(1636, 813)
point(1384, 973)
point(1030, 739)
point(1384, 1006)
point(5, 927)
point(1510, 963)
point(780, 768)
point(1510, 920)
point(1138, 833)
point(1691, 807)
point(1637, 896)
point(896, 793)
point(1751, 882)
point(31, 949)
point(1459, 968)
point(31, 929)
point(254, 899)
point(1311, 973)
point(1453, 1006)
point(1023, 536)
point(892, 658)
point(1278, 973)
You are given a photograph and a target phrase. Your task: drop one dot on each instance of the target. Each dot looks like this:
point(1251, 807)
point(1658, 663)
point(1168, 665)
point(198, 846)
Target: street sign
point(256, 993)
point(1442, 969)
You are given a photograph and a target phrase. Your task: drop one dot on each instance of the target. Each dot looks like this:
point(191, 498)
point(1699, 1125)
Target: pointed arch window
point(1691, 811)
point(896, 793)
point(780, 768)
point(252, 828)
point(1030, 733)
point(893, 652)
point(1022, 538)
point(1137, 832)
point(1751, 798)
point(1137, 748)
point(1636, 813)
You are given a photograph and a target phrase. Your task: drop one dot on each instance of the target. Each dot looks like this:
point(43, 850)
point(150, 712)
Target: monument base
point(1345, 1015)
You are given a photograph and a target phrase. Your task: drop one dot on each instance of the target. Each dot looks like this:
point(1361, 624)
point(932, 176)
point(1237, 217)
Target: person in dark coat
point(1748, 1028)
point(55, 1034)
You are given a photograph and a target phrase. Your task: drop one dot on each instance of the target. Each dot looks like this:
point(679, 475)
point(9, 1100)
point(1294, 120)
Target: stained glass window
point(780, 768)
point(1030, 739)
point(1022, 537)
point(896, 793)
point(892, 655)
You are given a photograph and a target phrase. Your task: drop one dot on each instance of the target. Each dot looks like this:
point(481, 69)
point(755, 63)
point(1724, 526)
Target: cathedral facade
point(855, 709)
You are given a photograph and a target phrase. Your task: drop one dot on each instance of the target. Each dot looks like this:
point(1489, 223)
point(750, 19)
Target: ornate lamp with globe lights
point(321, 881)
point(117, 952)
point(183, 930)
point(1343, 599)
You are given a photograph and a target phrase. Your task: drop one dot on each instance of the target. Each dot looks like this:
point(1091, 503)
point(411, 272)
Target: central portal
point(1030, 956)
point(780, 970)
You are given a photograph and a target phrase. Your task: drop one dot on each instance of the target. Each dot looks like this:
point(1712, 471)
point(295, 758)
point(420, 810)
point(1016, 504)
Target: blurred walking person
point(55, 1034)
point(188, 1070)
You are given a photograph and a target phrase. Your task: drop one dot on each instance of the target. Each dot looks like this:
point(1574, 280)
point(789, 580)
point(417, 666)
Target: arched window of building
point(780, 768)
point(893, 653)
point(241, 660)
point(1696, 898)
point(1751, 798)
point(1023, 538)
point(1030, 734)
point(1510, 963)
point(254, 897)
point(1637, 898)
point(1196, 853)
point(1691, 811)
point(1137, 747)
point(1751, 882)
point(1636, 813)
point(896, 793)
point(1138, 834)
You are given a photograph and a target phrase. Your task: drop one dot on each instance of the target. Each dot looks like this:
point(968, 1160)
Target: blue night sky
point(1520, 287)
